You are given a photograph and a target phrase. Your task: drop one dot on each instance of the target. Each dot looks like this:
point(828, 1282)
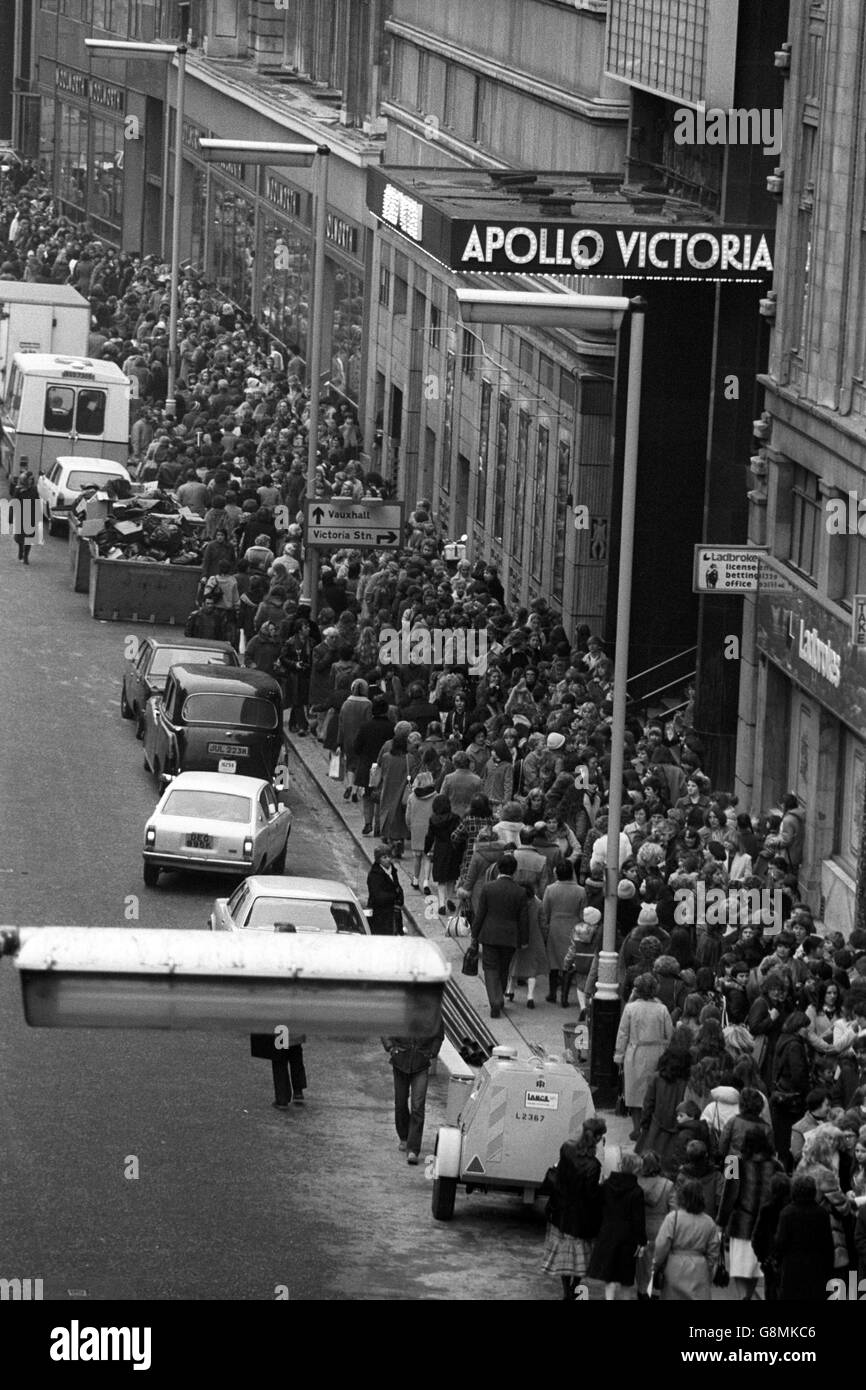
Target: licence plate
point(198, 841)
point(229, 750)
point(227, 765)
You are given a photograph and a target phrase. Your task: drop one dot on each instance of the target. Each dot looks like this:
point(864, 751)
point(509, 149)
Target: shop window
point(445, 471)
point(106, 191)
point(468, 355)
point(72, 155)
point(47, 138)
point(806, 522)
point(852, 785)
point(519, 513)
point(560, 529)
point(346, 338)
point(536, 559)
point(59, 409)
point(90, 415)
point(285, 284)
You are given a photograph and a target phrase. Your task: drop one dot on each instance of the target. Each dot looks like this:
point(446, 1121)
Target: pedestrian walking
point(574, 1208)
point(410, 1059)
point(658, 1197)
point(803, 1246)
point(285, 1053)
point(622, 1235)
point(500, 925)
point(385, 896)
point(644, 1032)
point(687, 1249)
point(28, 514)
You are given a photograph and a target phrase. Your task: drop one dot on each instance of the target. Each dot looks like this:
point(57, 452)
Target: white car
point(262, 903)
point(61, 488)
point(217, 822)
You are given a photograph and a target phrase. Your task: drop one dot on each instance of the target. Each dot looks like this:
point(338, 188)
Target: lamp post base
point(603, 1074)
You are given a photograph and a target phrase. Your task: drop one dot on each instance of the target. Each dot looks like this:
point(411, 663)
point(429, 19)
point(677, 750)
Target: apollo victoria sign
point(620, 252)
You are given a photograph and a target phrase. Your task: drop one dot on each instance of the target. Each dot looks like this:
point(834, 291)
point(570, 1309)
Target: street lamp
point(279, 154)
point(594, 315)
point(162, 53)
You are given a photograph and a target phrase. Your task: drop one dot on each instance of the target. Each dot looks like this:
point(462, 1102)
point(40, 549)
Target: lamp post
point(594, 315)
point(278, 154)
point(163, 53)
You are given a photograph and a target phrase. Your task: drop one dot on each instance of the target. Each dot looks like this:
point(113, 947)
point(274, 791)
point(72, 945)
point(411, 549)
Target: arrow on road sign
point(317, 515)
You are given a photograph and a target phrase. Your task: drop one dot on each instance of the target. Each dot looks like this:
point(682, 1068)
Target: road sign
point(355, 524)
point(735, 569)
point(858, 621)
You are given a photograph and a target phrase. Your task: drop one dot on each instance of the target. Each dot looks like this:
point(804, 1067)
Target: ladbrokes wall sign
point(624, 252)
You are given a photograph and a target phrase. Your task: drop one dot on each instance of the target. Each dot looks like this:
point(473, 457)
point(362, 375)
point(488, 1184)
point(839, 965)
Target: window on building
point(567, 392)
point(72, 155)
point(802, 248)
point(500, 479)
point(539, 503)
point(447, 426)
point(855, 567)
point(560, 526)
point(401, 295)
point(434, 326)
point(483, 451)
point(519, 514)
point(385, 284)
point(468, 354)
point(527, 358)
point(423, 76)
point(805, 522)
point(547, 372)
point(106, 185)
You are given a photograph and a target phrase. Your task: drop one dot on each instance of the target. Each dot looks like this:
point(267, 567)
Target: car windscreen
point(80, 478)
point(305, 915)
point(164, 657)
point(205, 805)
point(245, 711)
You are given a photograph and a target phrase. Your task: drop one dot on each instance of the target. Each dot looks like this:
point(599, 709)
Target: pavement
point(518, 1027)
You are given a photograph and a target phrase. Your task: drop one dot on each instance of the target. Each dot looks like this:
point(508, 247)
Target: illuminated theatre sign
point(622, 252)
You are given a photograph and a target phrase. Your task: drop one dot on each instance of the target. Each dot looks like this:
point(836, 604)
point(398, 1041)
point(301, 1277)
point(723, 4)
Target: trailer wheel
point(444, 1193)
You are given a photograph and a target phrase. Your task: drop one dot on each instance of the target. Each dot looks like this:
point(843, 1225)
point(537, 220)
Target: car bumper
point(163, 860)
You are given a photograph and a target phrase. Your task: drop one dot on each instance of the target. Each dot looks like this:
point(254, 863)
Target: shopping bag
point(470, 960)
point(335, 767)
point(374, 777)
point(457, 926)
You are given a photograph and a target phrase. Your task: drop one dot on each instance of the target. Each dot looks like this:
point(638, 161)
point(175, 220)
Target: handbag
point(335, 767)
point(457, 926)
point(374, 777)
point(721, 1278)
point(658, 1274)
point(470, 960)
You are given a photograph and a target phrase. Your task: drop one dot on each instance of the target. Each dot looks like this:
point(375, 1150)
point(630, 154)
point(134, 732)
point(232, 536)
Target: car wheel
point(125, 708)
point(444, 1193)
point(151, 875)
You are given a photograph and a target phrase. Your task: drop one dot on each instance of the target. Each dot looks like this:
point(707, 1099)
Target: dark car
point(211, 720)
point(147, 674)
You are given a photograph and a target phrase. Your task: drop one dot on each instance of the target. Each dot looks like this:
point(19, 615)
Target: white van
point(63, 405)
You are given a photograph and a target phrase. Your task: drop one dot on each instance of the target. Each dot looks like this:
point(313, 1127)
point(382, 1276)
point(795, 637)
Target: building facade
point(802, 717)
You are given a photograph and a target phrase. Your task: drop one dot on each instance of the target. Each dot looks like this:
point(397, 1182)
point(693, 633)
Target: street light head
point(118, 48)
point(258, 152)
point(587, 313)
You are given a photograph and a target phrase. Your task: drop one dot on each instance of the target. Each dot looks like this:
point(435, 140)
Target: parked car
point(216, 822)
point(61, 487)
point(307, 904)
point(147, 674)
point(211, 719)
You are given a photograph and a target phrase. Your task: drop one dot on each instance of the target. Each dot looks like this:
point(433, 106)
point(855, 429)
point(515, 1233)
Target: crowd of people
point(741, 1037)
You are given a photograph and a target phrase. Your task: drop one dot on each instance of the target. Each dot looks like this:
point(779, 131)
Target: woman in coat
point(574, 1209)
point(804, 1246)
point(369, 741)
point(687, 1249)
point(438, 844)
point(354, 714)
point(419, 809)
point(644, 1032)
point(766, 1018)
point(791, 1081)
point(662, 1102)
point(764, 1234)
point(529, 961)
point(820, 1161)
point(561, 907)
point(622, 1234)
point(394, 788)
point(742, 1200)
point(658, 1199)
point(384, 894)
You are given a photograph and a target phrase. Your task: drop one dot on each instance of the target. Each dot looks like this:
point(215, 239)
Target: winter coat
point(411, 1055)
point(622, 1230)
point(575, 1206)
point(687, 1248)
point(354, 714)
point(393, 793)
point(460, 786)
point(384, 895)
point(746, 1194)
point(502, 917)
point(659, 1117)
point(496, 782)
point(836, 1204)
point(530, 960)
point(711, 1181)
point(419, 809)
point(445, 859)
point(804, 1252)
point(561, 907)
point(723, 1105)
point(369, 741)
point(484, 856)
point(644, 1031)
point(658, 1197)
point(791, 1072)
point(676, 1154)
point(760, 1024)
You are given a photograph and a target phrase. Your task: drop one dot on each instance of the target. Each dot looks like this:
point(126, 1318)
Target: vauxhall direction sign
point(356, 524)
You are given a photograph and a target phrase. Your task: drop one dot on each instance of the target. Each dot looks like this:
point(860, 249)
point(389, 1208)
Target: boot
point(552, 986)
point(567, 977)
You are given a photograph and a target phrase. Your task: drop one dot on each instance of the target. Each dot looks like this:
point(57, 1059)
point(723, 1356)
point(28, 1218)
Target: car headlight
point(248, 848)
point(150, 837)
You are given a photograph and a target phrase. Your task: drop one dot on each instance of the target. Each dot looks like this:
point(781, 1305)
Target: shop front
point(810, 738)
point(82, 148)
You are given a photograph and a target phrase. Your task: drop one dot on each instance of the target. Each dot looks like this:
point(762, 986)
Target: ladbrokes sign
point(624, 252)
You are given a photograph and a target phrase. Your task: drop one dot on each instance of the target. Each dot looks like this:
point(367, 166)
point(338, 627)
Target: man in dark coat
point(804, 1246)
point(27, 513)
point(368, 743)
point(501, 925)
point(205, 621)
point(411, 1059)
point(385, 895)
